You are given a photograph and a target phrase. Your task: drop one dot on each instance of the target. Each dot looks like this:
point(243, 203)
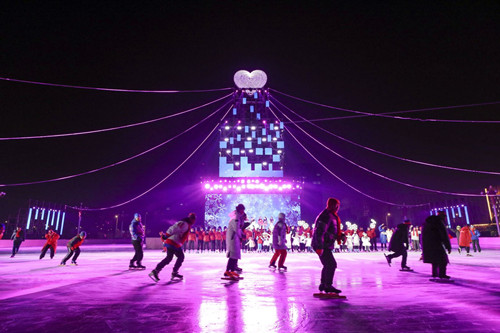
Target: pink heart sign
point(246, 80)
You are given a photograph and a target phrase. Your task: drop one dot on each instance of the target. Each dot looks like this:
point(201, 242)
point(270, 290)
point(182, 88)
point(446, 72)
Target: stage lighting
point(238, 128)
point(228, 151)
point(250, 151)
point(226, 139)
point(227, 127)
point(207, 186)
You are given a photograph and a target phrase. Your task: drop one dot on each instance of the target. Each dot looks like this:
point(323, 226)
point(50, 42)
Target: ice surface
point(102, 295)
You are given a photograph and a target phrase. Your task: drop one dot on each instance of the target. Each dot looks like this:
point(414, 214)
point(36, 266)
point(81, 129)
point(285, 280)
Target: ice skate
point(442, 279)
point(469, 255)
point(176, 276)
point(273, 266)
point(62, 264)
point(239, 270)
point(74, 263)
point(154, 275)
point(329, 292)
point(282, 268)
point(388, 259)
point(406, 269)
point(231, 276)
point(140, 266)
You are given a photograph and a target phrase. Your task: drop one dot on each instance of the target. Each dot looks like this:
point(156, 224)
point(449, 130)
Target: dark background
point(369, 56)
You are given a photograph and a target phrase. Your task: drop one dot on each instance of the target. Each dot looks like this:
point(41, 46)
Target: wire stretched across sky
point(380, 152)
point(390, 114)
point(116, 127)
point(112, 89)
point(161, 181)
point(119, 162)
point(346, 183)
point(378, 174)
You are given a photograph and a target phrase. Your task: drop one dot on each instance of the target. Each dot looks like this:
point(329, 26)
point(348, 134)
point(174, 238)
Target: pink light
point(207, 186)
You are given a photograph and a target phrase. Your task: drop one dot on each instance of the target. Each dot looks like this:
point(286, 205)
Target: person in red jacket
point(373, 238)
point(199, 236)
point(212, 239)
point(191, 240)
point(218, 239)
point(465, 239)
point(206, 240)
point(51, 244)
point(74, 248)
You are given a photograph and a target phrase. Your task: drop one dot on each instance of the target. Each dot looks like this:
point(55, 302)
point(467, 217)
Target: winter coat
point(234, 238)
point(399, 240)
point(136, 229)
point(465, 237)
point(434, 241)
point(475, 234)
point(326, 231)
point(177, 234)
point(18, 235)
point(75, 242)
point(383, 235)
point(371, 233)
point(52, 240)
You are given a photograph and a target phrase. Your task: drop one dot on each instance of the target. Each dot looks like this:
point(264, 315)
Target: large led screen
point(258, 206)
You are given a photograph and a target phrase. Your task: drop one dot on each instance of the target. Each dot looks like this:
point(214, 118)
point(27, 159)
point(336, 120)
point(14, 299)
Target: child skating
point(174, 238)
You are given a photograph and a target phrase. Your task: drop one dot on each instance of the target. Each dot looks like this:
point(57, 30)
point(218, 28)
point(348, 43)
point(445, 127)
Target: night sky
point(369, 56)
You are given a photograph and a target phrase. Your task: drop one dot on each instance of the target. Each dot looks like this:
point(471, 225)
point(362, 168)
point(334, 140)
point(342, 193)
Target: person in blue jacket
point(137, 233)
point(383, 236)
point(475, 238)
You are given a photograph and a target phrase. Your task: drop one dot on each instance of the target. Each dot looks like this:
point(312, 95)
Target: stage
point(102, 295)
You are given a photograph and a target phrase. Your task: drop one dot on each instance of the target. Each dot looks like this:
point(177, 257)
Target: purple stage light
point(253, 186)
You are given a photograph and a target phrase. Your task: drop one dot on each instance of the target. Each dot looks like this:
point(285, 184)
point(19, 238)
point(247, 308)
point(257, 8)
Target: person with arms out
point(399, 245)
point(175, 237)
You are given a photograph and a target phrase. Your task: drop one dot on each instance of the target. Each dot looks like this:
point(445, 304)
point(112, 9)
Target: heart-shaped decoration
point(246, 80)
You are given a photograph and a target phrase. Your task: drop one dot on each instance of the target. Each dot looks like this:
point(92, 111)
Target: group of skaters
point(325, 238)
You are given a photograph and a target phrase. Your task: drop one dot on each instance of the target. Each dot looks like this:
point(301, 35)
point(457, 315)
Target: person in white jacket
point(234, 234)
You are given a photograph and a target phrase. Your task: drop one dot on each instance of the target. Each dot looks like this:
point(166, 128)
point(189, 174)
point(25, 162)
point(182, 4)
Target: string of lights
point(112, 89)
point(376, 173)
point(116, 127)
point(161, 181)
point(119, 162)
point(380, 152)
point(390, 114)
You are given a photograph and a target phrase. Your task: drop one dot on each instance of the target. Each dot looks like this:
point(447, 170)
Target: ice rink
point(102, 295)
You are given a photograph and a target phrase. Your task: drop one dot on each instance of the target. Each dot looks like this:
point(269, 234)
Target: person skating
point(279, 243)
point(325, 233)
point(136, 229)
point(434, 242)
point(465, 239)
point(399, 245)
point(74, 248)
point(234, 234)
point(18, 238)
point(175, 237)
point(475, 239)
point(51, 244)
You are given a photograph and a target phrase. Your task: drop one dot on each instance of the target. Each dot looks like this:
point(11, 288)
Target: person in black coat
point(434, 242)
point(399, 245)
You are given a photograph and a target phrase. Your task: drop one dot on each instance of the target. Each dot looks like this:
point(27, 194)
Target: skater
point(191, 240)
point(2, 230)
point(365, 240)
point(434, 242)
point(218, 239)
point(51, 244)
point(399, 245)
point(223, 246)
point(372, 234)
point(174, 238)
point(234, 234)
point(18, 238)
point(279, 243)
point(475, 239)
point(327, 231)
point(200, 234)
point(74, 248)
point(465, 239)
point(137, 232)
